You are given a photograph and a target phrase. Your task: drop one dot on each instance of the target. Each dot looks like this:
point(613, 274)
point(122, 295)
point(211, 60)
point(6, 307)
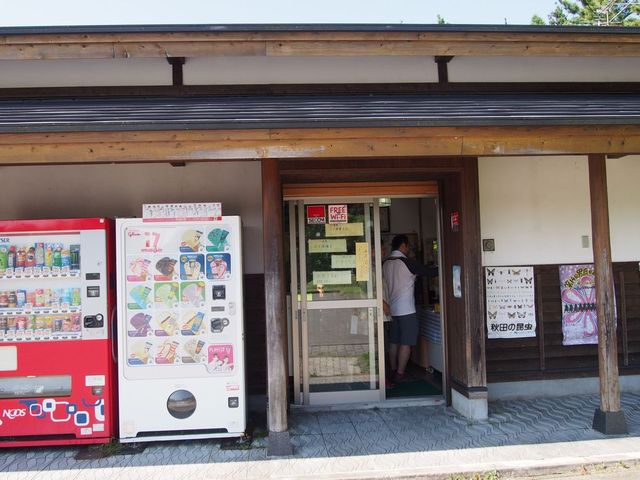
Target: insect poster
point(579, 318)
point(511, 308)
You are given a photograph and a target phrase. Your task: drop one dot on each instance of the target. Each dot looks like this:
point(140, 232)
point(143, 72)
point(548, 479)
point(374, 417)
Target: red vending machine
point(56, 355)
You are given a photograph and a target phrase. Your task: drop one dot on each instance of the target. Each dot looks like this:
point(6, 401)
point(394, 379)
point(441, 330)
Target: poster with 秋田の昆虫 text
point(510, 296)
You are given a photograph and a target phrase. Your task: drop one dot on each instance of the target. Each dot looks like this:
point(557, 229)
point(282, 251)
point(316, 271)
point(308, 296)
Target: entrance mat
point(416, 388)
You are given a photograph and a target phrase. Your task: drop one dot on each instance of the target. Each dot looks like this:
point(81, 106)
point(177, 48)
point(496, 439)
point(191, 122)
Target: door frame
point(299, 327)
point(299, 307)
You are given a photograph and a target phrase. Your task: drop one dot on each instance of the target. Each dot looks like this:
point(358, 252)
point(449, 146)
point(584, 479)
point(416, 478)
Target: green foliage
point(441, 20)
point(363, 362)
point(593, 12)
point(537, 20)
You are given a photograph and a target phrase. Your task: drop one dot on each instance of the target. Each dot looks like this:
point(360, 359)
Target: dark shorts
point(404, 330)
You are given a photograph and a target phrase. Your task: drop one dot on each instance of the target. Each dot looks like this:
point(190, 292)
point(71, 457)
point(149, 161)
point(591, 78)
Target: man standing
point(399, 273)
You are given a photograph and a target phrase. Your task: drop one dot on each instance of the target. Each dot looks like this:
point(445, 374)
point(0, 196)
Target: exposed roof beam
point(315, 43)
point(212, 145)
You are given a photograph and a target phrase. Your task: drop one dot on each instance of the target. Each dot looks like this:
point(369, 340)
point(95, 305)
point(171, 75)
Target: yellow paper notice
point(325, 245)
point(344, 230)
point(362, 262)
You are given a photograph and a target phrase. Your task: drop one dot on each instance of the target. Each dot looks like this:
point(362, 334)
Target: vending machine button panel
point(219, 292)
point(93, 292)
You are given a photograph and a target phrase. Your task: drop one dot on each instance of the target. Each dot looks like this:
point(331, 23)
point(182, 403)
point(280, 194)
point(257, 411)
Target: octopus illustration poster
point(579, 318)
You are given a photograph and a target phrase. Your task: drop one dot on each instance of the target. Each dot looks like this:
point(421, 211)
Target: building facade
point(498, 147)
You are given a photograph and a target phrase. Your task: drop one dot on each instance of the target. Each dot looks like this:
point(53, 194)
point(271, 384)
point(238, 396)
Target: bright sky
point(132, 12)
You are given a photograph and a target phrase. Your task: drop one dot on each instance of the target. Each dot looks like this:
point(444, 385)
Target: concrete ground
point(522, 439)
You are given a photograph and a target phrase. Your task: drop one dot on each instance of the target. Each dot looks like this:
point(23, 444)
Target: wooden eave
point(56, 46)
point(320, 143)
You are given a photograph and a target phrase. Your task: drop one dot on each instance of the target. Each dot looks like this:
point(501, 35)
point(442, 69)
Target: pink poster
point(220, 358)
point(579, 318)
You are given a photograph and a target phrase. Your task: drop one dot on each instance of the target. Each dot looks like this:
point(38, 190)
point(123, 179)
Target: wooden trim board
point(359, 189)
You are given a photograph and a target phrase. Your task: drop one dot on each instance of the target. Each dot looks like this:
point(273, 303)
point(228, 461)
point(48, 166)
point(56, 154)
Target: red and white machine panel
point(56, 356)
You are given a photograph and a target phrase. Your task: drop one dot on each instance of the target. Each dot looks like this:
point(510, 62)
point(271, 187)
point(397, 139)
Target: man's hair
point(399, 240)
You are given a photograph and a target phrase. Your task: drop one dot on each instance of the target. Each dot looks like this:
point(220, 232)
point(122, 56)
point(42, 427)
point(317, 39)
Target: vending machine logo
point(12, 413)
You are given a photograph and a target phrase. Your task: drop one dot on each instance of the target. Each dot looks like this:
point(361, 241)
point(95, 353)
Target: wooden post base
point(279, 444)
point(610, 423)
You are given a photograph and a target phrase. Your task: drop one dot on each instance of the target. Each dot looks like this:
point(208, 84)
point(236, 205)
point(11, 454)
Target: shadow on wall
point(66, 191)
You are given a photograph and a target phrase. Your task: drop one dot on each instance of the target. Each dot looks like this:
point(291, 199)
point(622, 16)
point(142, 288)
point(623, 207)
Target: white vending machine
point(180, 329)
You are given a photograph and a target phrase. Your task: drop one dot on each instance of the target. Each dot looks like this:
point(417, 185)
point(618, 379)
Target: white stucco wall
point(120, 190)
point(537, 209)
point(623, 184)
point(82, 73)
point(287, 70)
point(544, 69)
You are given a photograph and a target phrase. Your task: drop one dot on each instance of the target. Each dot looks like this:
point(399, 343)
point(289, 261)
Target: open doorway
point(418, 219)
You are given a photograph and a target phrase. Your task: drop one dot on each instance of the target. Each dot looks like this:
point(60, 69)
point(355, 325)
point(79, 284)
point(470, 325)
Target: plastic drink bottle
point(39, 254)
point(65, 258)
point(76, 297)
point(21, 257)
point(4, 258)
point(57, 257)
point(48, 256)
point(30, 260)
point(11, 257)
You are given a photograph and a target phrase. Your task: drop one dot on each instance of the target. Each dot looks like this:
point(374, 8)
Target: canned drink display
point(39, 298)
point(4, 300)
point(12, 299)
point(75, 257)
point(21, 298)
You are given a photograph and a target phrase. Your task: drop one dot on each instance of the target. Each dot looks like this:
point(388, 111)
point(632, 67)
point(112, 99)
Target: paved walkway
point(378, 443)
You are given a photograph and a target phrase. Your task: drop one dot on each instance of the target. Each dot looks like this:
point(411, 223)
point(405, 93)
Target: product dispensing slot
point(31, 387)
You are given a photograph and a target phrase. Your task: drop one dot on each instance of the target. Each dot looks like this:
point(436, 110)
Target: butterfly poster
point(510, 295)
point(579, 317)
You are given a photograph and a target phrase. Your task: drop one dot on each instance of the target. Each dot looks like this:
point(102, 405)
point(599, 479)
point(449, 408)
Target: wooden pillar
point(608, 418)
point(464, 315)
point(276, 316)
